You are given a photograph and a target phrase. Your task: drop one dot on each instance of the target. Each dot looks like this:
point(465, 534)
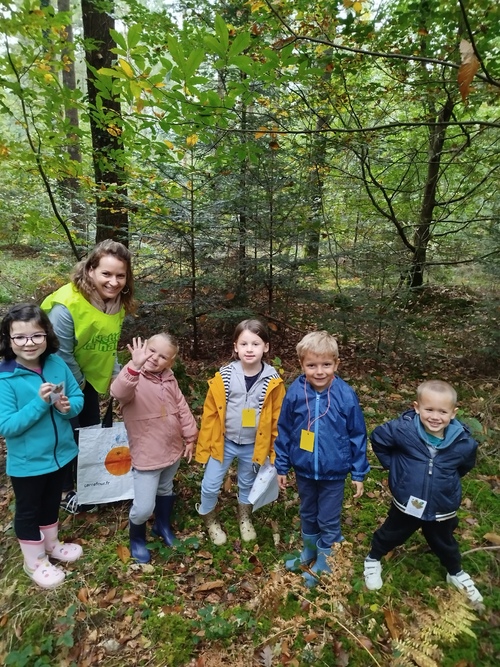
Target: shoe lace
point(72, 504)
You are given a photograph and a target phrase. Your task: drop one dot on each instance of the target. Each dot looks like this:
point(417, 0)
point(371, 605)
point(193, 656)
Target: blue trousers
point(320, 508)
point(216, 471)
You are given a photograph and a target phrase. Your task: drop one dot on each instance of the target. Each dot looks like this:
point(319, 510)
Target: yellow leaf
point(168, 144)
point(140, 105)
point(261, 132)
point(255, 5)
point(123, 553)
point(192, 140)
point(468, 68)
point(125, 67)
point(357, 6)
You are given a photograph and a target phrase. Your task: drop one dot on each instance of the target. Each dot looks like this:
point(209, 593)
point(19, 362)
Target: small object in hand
point(57, 392)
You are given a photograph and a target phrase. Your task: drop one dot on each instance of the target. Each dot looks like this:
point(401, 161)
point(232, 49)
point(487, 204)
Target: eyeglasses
point(36, 339)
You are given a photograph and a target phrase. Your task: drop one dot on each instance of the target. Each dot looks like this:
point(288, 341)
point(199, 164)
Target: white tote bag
point(104, 473)
point(265, 488)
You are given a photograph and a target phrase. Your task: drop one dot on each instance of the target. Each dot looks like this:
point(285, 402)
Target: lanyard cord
point(309, 422)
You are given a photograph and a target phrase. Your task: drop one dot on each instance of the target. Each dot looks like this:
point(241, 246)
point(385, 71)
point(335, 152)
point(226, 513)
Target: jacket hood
point(11, 366)
point(267, 370)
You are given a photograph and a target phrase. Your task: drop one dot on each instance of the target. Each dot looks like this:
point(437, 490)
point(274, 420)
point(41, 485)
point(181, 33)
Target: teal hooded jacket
point(39, 438)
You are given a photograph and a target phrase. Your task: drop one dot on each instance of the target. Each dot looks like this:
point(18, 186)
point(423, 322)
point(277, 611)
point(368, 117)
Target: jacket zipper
point(316, 437)
point(56, 434)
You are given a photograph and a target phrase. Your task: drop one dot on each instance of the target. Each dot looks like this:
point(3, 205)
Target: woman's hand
point(139, 352)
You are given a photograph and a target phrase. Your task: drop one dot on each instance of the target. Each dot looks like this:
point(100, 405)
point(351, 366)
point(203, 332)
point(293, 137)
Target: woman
point(87, 315)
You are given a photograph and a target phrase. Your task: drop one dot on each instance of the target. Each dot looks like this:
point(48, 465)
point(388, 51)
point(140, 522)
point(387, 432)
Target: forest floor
point(198, 605)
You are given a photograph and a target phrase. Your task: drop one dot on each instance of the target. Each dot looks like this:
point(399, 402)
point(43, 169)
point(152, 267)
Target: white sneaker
point(464, 583)
point(372, 574)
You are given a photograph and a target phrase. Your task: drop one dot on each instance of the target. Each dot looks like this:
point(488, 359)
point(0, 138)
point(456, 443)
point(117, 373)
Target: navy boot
point(320, 567)
point(162, 526)
point(307, 555)
point(138, 551)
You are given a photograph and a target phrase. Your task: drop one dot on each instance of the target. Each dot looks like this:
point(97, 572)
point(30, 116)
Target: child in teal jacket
point(39, 396)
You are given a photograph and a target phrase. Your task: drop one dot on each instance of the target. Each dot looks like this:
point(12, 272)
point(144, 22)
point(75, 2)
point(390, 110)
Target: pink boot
point(37, 565)
point(65, 552)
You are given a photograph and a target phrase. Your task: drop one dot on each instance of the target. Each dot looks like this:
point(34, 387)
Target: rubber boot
point(307, 555)
point(162, 526)
point(37, 565)
point(138, 551)
point(214, 529)
point(247, 531)
point(320, 566)
point(66, 552)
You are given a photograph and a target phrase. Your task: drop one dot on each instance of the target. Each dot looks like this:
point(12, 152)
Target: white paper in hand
point(265, 488)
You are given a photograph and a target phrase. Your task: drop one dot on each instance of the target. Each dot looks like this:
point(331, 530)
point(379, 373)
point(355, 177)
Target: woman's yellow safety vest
point(96, 335)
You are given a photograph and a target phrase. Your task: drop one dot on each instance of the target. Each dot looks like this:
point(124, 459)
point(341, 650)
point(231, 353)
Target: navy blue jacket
point(412, 470)
point(339, 436)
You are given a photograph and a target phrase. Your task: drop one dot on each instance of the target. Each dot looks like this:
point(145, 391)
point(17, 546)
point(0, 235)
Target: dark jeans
point(320, 508)
point(89, 416)
point(37, 503)
point(399, 527)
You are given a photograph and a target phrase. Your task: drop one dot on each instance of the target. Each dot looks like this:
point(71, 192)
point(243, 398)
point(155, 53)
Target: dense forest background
point(318, 164)
point(259, 155)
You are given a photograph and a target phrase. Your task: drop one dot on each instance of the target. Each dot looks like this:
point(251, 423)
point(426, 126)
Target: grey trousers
point(147, 485)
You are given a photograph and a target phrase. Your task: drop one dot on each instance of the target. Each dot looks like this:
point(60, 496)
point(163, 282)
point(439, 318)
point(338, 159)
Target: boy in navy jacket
point(426, 451)
point(322, 435)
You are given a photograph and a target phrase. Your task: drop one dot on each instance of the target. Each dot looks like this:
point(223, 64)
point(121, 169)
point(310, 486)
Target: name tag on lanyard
point(307, 440)
point(249, 418)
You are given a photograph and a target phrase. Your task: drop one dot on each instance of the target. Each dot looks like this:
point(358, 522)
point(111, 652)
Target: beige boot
point(215, 532)
point(247, 531)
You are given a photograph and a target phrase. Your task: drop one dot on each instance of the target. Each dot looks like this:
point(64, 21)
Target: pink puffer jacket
point(157, 417)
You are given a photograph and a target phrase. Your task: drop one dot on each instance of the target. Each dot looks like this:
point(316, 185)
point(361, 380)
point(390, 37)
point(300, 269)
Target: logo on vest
point(102, 343)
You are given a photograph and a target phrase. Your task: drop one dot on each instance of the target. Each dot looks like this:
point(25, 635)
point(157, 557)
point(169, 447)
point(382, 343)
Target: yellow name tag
point(307, 440)
point(248, 417)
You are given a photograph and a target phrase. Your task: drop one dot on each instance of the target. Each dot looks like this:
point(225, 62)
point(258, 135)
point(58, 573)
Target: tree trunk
point(422, 235)
point(112, 216)
point(69, 186)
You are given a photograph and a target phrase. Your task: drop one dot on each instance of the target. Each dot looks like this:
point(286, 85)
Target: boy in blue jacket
point(322, 435)
point(426, 451)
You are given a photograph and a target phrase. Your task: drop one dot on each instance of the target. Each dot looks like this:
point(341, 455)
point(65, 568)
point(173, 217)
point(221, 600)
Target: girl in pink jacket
point(161, 429)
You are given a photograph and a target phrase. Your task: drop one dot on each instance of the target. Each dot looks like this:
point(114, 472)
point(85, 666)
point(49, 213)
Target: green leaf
point(134, 35)
point(240, 43)
point(222, 32)
point(176, 51)
point(214, 46)
point(118, 38)
point(195, 59)
point(107, 71)
point(245, 63)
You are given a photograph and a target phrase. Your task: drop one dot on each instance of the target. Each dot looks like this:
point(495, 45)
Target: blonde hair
point(318, 342)
point(439, 386)
point(171, 340)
